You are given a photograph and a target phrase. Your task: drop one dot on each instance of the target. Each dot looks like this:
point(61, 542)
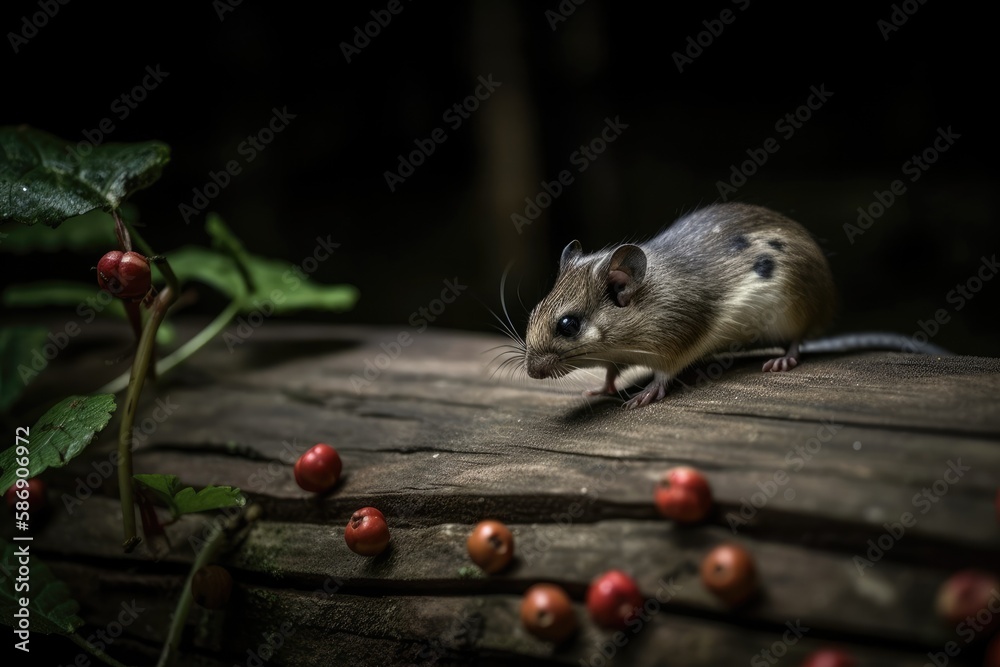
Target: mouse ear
point(569, 254)
point(626, 270)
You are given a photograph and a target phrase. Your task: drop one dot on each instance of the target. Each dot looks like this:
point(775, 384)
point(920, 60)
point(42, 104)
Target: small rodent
point(726, 277)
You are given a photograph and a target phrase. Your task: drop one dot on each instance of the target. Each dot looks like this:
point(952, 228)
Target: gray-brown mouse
point(726, 277)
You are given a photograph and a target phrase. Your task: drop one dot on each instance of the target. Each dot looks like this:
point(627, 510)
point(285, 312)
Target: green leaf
point(225, 241)
point(59, 435)
point(205, 266)
point(276, 282)
point(51, 608)
point(17, 345)
point(91, 232)
point(45, 179)
point(75, 295)
point(184, 500)
point(55, 293)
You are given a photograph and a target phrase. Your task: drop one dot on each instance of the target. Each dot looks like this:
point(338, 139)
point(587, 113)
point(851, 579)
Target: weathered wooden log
point(858, 482)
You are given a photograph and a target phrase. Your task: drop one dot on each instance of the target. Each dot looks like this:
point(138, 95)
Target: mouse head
point(594, 299)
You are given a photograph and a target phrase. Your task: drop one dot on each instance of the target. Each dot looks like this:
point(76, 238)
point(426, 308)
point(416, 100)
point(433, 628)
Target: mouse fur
point(725, 277)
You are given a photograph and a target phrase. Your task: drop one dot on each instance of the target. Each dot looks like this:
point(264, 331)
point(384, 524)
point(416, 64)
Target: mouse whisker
point(506, 365)
point(504, 329)
point(568, 354)
point(512, 357)
point(509, 347)
point(503, 304)
point(646, 352)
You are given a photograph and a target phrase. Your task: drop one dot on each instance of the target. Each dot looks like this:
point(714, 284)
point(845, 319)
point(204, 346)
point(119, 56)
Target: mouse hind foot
point(783, 363)
point(655, 391)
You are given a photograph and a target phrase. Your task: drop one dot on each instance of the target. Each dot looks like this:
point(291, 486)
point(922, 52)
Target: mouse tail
point(872, 341)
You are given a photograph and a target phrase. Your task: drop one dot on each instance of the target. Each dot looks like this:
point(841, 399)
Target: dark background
point(324, 174)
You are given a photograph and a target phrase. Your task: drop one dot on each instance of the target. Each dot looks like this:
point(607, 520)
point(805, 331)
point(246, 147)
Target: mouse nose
point(540, 366)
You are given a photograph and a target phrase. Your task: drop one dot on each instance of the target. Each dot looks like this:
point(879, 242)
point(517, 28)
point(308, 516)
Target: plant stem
point(121, 231)
point(139, 241)
point(140, 365)
point(213, 329)
point(176, 357)
point(207, 554)
point(134, 317)
point(131, 305)
point(173, 641)
point(93, 650)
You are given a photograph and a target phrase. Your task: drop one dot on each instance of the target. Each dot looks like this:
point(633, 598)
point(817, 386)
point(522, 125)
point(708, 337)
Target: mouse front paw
point(609, 385)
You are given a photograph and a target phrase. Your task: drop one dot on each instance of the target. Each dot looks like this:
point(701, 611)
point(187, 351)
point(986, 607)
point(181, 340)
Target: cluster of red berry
point(318, 471)
point(613, 598)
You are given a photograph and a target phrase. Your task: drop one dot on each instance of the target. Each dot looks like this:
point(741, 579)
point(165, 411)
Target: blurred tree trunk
point(507, 141)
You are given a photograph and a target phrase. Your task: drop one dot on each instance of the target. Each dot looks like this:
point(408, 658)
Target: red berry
point(547, 613)
point(31, 491)
point(729, 572)
point(612, 598)
point(124, 275)
point(829, 657)
point(367, 532)
point(318, 469)
point(683, 495)
point(491, 546)
point(965, 594)
point(211, 586)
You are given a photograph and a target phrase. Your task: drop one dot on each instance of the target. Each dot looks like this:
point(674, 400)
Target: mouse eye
point(568, 326)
